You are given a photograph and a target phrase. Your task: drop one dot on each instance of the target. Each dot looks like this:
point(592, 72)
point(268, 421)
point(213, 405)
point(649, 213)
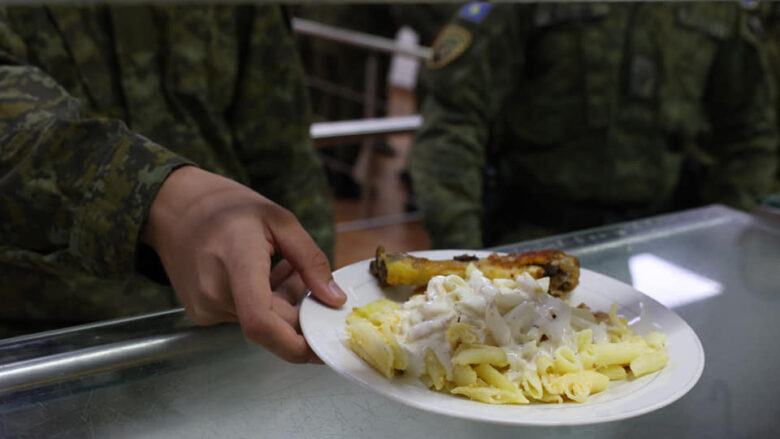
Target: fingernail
point(336, 291)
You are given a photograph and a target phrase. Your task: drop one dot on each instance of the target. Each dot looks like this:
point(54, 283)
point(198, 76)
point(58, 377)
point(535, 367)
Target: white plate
point(324, 328)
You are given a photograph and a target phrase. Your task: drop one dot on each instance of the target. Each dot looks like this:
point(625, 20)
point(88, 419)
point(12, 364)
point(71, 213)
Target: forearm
point(73, 190)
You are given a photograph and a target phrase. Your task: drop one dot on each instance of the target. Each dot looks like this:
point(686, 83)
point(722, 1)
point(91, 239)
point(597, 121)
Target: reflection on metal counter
point(669, 283)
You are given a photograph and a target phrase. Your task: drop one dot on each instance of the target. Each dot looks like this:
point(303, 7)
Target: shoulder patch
point(450, 44)
point(475, 11)
point(749, 5)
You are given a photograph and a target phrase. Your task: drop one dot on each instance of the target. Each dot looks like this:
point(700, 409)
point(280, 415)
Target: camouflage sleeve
point(740, 99)
point(270, 121)
point(74, 192)
point(464, 82)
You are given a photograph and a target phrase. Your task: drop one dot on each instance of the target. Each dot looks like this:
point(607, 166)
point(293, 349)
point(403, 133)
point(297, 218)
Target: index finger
point(300, 250)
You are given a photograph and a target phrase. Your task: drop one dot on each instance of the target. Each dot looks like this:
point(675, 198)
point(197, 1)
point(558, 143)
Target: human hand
point(215, 238)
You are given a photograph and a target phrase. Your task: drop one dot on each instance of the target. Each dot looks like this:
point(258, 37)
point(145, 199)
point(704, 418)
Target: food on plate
point(562, 270)
point(501, 340)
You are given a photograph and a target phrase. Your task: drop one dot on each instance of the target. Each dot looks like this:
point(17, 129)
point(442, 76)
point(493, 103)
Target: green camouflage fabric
point(97, 106)
point(558, 117)
point(768, 16)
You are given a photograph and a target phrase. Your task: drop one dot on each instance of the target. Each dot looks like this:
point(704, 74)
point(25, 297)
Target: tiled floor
point(360, 242)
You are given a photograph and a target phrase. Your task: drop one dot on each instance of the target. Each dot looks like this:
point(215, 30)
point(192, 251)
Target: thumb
point(300, 250)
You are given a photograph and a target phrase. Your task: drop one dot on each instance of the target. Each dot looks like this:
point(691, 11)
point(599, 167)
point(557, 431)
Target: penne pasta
point(490, 395)
point(371, 346)
point(648, 363)
point(463, 375)
point(532, 385)
point(480, 354)
point(495, 378)
point(502, 341)
point(608, 354)
point(566, 361)
point(434, 369)
point(614, 372)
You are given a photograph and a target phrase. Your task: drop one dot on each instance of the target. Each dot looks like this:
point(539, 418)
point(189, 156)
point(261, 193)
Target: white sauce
point(517, 315)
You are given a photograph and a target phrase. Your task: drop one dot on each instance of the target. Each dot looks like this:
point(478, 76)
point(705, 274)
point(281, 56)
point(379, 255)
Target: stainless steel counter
point(157, 376)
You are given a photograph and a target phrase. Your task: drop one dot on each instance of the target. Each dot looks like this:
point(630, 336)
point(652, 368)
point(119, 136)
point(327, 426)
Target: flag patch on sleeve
point(450, 44)
point(475, 11)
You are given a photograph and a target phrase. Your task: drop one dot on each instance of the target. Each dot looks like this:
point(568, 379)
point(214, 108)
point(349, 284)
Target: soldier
point(551, 117)
point(768, 13)
point(135, 144)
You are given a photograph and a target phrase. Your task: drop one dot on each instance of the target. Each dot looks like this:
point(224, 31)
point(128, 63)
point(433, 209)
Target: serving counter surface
point(158, 376)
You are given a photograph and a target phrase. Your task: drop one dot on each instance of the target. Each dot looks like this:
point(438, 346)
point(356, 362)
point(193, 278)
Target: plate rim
point(309, 304)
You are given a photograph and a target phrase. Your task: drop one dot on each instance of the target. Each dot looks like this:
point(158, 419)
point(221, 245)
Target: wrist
point(189, 198)
point(167, 202)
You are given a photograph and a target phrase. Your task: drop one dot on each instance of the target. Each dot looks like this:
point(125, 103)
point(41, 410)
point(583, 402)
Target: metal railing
point(357, 39)
point(327, 132)
point(366, 130)
point(69, 354)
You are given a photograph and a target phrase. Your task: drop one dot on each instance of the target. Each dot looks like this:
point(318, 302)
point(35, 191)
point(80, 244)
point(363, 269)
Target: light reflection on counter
point(669, 283)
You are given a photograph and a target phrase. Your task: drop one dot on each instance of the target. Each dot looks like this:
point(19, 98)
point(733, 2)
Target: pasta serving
point(501, 341)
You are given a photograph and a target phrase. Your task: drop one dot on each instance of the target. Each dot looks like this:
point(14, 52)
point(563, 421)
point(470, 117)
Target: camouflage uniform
point(769, 15)
point(552, 117)
point(98, 105)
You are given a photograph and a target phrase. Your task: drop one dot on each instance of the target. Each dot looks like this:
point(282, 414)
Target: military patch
point(450, 44)
point(475, 11)
point(749, 5)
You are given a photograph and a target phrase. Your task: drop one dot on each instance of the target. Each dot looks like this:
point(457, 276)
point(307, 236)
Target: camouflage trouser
point(33, 301)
